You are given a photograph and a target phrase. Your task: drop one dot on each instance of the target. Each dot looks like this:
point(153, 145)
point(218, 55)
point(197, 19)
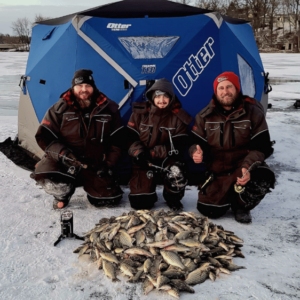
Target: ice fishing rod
point(84, 166)
point(178, 185)
point(157, 167)
point(239, 188)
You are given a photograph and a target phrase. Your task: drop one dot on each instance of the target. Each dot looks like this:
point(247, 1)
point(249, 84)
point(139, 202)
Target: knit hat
point(83, 76)
point(157, 93)
point(230, 76)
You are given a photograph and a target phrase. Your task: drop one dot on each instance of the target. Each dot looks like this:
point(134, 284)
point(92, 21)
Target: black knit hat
point(83, 76)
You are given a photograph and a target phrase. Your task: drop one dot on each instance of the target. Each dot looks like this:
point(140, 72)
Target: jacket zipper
point(102, 130)
point(233, 135)
point(150, 135)
point(87, 128)
point(221, 134)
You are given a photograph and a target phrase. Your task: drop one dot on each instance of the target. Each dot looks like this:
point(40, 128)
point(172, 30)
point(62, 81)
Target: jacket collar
point(68, 96)
point(214, 106)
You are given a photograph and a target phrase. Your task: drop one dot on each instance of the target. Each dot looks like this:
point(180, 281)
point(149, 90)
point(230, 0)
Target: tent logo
point(222, 79)
point(148, 69)
point(189, 73)
point(118, 26)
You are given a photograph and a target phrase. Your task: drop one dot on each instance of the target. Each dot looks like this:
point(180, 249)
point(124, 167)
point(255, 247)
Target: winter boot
point(104, 202)
point(142, 201)
point(173, 200)
point(243, 216)
point(175, 206)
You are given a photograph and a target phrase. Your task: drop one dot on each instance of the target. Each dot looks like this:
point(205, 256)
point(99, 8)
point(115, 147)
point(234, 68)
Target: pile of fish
point(168, 251)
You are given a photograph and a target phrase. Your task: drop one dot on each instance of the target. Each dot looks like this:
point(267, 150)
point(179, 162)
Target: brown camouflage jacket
point(236, 140)
point(162, 131)
point(94, 140)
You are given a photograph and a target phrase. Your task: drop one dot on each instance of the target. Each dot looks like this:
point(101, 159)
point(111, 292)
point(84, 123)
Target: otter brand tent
point(129, 43)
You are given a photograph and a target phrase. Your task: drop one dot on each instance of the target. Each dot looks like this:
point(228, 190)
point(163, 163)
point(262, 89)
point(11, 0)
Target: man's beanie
point(158, 93)
point(230, 76)
point(83, 76)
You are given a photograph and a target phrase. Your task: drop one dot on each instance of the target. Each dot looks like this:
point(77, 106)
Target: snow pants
point(143, 189)
point(220, 195)
point(57, 180)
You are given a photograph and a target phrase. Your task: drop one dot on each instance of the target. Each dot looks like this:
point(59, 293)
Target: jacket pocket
point(241, 133)
point(70, 129)
point(145, 133)
point(214, 134)
point(102, 127)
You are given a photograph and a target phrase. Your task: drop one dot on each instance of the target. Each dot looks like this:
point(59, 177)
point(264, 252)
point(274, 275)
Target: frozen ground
point(31, 268)
point(12, 66)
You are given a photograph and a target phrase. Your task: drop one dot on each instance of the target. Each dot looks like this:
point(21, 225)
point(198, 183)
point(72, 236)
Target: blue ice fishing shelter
point(129, 43)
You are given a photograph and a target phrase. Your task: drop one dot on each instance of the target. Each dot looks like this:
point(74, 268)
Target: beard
point(162, 105)
point(227, 100)
point(83, 99)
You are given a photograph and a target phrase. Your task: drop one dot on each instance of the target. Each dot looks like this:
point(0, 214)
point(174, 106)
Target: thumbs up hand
point(198, 155)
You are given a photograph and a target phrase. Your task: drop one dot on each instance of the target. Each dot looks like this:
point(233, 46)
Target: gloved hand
point(69, 159)
point(105, 171)
point(109, 174)
point(142, 159)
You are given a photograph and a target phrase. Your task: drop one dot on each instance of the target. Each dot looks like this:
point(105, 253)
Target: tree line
point(22, 31)
point(262, 14)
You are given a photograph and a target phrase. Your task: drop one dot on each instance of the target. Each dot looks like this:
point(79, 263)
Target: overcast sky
point(11, 10)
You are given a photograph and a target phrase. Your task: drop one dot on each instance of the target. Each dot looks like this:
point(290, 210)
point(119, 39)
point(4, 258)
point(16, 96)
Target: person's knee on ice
point(231, 134)
point(81, 133)
point(157, 136)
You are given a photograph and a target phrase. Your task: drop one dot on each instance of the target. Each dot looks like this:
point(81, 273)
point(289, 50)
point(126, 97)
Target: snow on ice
point(31, 268)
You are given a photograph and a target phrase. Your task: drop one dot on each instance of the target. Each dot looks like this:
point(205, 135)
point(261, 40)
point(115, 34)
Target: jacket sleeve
point(179, 140)
point(260, 145)
point(198, 137)
point(48, 134)
point(133, 135)
point(117, 139)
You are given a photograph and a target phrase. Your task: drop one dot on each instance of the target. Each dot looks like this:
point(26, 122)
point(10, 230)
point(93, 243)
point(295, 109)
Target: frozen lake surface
point(283, 73)
point(31, 268)
point(12, 67)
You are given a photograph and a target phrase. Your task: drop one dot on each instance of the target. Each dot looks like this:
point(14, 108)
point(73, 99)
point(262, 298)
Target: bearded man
point(232, 135)
point(81, 136)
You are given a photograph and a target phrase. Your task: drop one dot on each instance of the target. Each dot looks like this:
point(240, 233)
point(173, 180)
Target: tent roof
point(139, 9)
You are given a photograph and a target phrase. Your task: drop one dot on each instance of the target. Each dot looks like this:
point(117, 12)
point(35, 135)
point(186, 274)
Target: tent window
point(246, 77)
point(48, 34)
point(145, 47)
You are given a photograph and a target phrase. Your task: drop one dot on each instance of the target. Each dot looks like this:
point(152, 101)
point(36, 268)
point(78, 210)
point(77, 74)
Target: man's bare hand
point(198, 155)
point(243, 181)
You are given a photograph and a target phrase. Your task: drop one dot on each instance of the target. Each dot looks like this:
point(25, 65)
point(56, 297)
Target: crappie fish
point(167, 251)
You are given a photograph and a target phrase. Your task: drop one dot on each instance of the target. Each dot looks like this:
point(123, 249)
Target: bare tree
point(216, 5)
point(292, 9)
point(22, 29)
point(265, 7)
point(183, 1)
point(255, 8)
point(274, 5)
point(237, 9)
point(40, 18)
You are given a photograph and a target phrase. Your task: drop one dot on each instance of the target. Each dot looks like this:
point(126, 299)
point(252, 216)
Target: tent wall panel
point(190, 47)
point(27, 126)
